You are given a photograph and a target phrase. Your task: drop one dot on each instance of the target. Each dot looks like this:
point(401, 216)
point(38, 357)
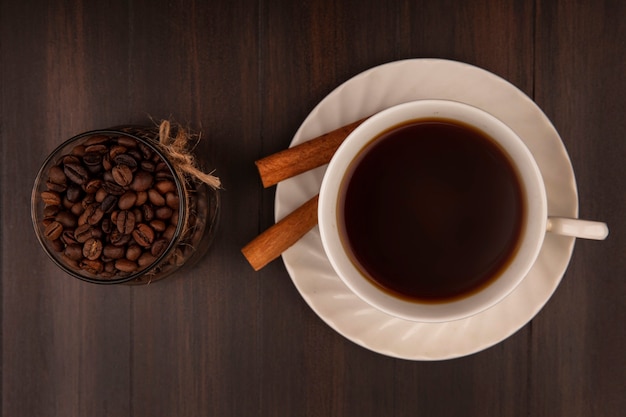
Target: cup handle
point(585, 229)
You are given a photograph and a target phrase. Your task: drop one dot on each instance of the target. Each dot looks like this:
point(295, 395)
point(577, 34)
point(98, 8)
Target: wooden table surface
point(223, 340)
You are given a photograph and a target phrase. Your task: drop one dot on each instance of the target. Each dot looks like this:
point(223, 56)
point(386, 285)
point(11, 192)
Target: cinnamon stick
point(308, 155)
point(271, 243)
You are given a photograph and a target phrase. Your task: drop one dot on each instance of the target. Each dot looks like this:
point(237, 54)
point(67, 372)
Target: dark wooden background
point(222, 340)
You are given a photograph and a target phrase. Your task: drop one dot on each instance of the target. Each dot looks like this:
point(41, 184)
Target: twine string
point(182, 159)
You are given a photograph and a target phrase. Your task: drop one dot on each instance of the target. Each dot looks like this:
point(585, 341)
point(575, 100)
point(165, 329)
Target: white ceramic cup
point(535, 224)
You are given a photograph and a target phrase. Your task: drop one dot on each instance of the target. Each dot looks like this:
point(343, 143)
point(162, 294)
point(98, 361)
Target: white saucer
point(373, 91)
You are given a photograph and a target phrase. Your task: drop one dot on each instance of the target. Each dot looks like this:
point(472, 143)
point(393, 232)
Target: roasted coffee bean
point(143, 235)
point(172, 200)
point(147, 166)
point(119, 239)
point(133, 252)
point(76, 173)
point(122, 175)
point(125, 222)
point(163, 213)
point(92, 249)
point(107, 225)
point(109, 203)
point(117, 150)
point(56, 175)
point(99, 148)
point(159, 246)
point(57, 245)
point(126, 265)
point(148, 212)
point(83, 233)
point(146, 151)
point(67, 219)
point(59, 188)
point(50, 211)
point(92, 157)
point(74, 193)
point(113, 187)
point(77, 209)
point(127, 141)
point(72, 159)
point(101, 195)
point(113, 252)
point(125, 159)
point(155, 197)
point(146, 259)
point(158, 225)
point(74, 251)
point(67, 237)
point(51, 198)
point(142, 197)
point(169, 232)
point(165, 186)
point(127, 200)
point(93, 267)
point(142, 181)
point(53, 230)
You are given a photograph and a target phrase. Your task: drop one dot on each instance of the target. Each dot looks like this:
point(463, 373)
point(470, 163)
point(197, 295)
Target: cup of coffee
point(435, 210)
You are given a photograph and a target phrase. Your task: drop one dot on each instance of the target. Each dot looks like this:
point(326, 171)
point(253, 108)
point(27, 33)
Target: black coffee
point(432, 210)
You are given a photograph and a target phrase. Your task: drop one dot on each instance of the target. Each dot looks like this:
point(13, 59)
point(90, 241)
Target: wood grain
point(220, 339)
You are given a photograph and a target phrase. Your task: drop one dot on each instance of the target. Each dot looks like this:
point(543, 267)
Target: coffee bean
point(67, 237)
point(126, 265)
point(107, 225)
point(148, 212)
point(165, 187)
point(126, 222)
point(98, 148)
point(74, 193)
point(56, 175)
point(155, 197)
point(76, 173)
point(133, 252)
point(67, 219)
point(118, 238)
point(142, 181)
point(92, 157)
point(51, 198)
point(113, 252)
point(127, 200)
point(109, 203)
point(92, 249)
point(83, 233)
point(126, 160)
point(127, 141)
point(113, 187)
point(158, 225)
point(146, 259)
point(147, 166)
point(74, 251)
point(159, 246)
point(122, 175)
point(163, 213)
point(143, 235)
point(50, 211)
point(53, 231)
point(117, 150)
point(59, 188)
point(142, 197)
point(172, 200)
point(92, 266)
point(92, 185)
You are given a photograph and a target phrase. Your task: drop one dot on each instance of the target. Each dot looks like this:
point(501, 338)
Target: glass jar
point(110, 207)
